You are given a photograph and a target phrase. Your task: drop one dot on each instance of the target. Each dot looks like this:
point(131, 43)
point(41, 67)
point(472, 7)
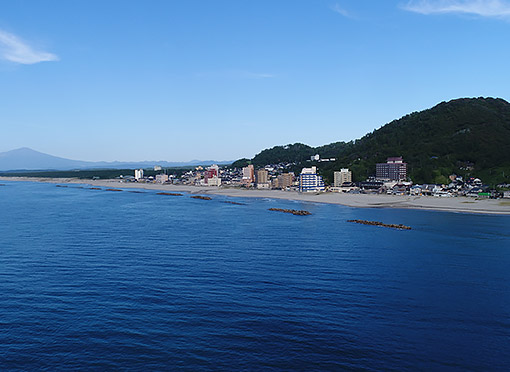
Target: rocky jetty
point(94, 188)
point(169, 193)
point(233, 202)
point(377, 223)
point(113, 190)
point(61, 185)
point(291, 211)
point(201, 197)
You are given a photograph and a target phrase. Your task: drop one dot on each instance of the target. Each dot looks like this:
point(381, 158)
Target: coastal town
point(390, 178)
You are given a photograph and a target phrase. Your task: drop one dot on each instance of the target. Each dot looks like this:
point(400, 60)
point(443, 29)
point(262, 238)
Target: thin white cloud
point(13, 49)
point(482, 8)
point(338, 9)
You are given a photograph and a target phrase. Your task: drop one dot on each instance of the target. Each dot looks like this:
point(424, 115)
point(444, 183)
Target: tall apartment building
point(249, 174)
point(285, 180)
point(345, 175)
point(310, 181)
point(212, 176)
point(394, 169)
point(214, 170)
point(262, 176)
point(263, 179)
point(138, 174)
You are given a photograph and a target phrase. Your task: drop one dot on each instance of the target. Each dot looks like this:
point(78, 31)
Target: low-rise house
point(161, 178)
point(416, 190)
point(428, 189)
point(442, 194)
point(345, 187)
point(474, 192)
point(371, 185)
point(399, 189)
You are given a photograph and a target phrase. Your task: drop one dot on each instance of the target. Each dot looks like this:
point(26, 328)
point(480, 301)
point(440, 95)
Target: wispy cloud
point(482, 8)
point(338, 9)
point(13, 49)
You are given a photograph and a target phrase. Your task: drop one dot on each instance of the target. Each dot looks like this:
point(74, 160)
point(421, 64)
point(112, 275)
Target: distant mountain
point(25, 158)
point(467, 136)
point(28, 159)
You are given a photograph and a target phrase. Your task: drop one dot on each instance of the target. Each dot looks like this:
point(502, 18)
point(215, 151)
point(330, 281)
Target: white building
point(344, 176)
point(214, 169)
point(138, 174)
point(248, 174)
point(309, 181)
point(213, 181)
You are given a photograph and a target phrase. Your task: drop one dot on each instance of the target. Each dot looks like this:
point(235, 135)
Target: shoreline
point(454, 204)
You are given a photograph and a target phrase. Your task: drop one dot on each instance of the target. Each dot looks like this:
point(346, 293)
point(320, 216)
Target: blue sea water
point(102, 280)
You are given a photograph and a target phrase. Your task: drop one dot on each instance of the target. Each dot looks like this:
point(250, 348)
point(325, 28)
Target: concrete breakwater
point(233, 202)
point(201, 197)
point(292, 211)
point(377, 223)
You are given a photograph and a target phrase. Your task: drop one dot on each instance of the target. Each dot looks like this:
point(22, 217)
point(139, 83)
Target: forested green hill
point(468, 136)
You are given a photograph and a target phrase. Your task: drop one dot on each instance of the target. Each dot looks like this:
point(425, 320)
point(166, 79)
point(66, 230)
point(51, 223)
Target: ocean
point(121, 280)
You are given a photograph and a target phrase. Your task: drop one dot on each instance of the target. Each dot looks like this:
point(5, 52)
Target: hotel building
point(394, 169)
point(309, 181)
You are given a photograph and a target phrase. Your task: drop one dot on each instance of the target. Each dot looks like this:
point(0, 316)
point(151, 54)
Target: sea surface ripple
point(99, 280)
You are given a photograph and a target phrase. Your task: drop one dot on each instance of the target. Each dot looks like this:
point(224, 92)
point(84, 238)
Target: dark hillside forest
point(467, 136)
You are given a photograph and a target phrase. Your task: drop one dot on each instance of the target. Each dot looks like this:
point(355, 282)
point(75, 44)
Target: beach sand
point(453, 204)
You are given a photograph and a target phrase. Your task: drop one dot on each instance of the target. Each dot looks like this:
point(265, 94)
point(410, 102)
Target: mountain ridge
point(25, 158)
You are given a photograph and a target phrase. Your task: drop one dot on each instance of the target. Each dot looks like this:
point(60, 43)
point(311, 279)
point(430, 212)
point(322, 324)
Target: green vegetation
point(294, 153)
point(241, 163)
point(297, 152)
point(468, 137)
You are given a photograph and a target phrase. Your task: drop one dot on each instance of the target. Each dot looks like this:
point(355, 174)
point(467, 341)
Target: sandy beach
point(454, 204)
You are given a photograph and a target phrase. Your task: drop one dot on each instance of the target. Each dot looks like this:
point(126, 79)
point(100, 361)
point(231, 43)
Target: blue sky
point(223, 79)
